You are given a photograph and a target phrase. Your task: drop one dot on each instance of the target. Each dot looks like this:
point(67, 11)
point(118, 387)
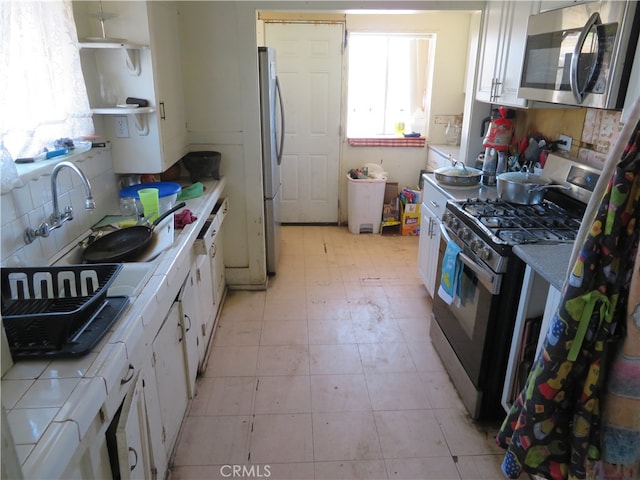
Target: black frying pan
point(124, 244)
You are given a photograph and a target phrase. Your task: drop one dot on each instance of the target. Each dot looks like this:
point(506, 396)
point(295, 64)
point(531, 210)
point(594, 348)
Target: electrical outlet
point(567, 145)
point(121, 127)
point(444, 119)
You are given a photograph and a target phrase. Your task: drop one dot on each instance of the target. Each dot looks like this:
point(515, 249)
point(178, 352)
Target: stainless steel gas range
point(472, 334)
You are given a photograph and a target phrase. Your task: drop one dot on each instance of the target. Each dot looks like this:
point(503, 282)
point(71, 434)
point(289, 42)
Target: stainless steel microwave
point(581, 55)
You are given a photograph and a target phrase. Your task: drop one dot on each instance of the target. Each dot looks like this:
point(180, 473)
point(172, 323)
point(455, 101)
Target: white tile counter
point(50, 405)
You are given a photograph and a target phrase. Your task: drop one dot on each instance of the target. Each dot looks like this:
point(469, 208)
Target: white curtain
point(42, 92)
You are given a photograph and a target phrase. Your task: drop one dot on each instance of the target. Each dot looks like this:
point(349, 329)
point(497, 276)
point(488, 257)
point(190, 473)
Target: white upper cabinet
point(167, 76)
point(140, 58)
point(503, 40)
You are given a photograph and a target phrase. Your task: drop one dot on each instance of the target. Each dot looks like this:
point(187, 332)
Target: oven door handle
point(489, 280)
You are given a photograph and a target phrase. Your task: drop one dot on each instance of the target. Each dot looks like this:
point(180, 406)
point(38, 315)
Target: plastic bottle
point(400, 124)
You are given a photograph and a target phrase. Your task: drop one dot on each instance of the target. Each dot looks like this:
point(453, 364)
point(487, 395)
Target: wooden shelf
point(122, 110)
point(113, 43)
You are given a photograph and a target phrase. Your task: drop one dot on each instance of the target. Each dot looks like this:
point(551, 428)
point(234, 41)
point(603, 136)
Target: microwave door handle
point(490, 281)
point(593, 21)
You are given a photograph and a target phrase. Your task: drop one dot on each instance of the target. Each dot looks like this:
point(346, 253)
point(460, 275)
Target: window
point(389, 82)
point(42, 90)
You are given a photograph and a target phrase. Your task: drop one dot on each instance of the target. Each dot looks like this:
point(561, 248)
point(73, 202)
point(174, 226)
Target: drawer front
point(204, 243)
point(434, 199)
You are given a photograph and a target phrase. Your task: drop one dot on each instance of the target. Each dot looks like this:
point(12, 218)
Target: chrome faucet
point(57, 218)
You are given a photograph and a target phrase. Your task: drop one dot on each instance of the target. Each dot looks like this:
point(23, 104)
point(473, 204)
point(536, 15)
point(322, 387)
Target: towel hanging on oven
point(451, 271)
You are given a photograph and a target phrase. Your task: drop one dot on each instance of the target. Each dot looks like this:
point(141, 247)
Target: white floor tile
point(345, 436)
point(339, 393)
point(281, 439)
point(283, 394)
point(330, 374)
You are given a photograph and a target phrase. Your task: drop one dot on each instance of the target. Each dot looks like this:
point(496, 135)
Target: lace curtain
point(42, 90)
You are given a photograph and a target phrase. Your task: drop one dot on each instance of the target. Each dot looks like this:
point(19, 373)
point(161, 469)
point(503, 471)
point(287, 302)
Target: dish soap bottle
point(400, 124)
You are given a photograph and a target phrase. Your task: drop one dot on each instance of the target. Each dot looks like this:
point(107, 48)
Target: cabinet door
point(131, 436)
point(490, 54)
point(503, 41)
point(428, 250)
point(217, 270)
point(171, 376)
point(190, 319)
point(513, 52)
point(205, 300)
point(167, 75)
point(423, 246)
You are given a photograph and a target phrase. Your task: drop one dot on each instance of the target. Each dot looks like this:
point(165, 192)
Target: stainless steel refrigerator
point(272, 122)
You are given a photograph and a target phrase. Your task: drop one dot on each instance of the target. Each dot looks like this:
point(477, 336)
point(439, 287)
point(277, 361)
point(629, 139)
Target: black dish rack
point(43, 309)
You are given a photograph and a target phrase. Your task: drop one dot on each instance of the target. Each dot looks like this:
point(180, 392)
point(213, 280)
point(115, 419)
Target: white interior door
point(309, 66)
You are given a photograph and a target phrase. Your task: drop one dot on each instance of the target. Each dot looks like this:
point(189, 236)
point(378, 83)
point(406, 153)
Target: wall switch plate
point(568, 140)
point(121, 127)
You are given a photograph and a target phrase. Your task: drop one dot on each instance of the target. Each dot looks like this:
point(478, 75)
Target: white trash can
point(365, 200)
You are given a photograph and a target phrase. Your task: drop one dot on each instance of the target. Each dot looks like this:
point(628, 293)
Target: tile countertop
point(549, 261)
point(46, 401)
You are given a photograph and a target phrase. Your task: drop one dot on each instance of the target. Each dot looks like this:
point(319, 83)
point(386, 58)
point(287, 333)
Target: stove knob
point(446, 217)
point(475, 245)
point(484, 253)
point(465, 234)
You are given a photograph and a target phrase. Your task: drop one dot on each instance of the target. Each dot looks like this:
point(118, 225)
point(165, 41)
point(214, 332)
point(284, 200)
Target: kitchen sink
point(131, 279)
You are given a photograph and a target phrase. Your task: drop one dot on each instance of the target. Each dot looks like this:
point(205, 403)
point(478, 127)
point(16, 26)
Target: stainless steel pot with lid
point(524, 188)
point(458, 176)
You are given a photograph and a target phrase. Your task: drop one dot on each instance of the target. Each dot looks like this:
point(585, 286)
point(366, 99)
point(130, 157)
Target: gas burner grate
point(514, 224)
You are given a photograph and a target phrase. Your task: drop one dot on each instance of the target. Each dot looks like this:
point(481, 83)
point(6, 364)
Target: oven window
point(467, 304)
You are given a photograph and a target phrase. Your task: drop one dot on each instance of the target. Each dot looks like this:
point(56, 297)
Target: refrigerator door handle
point(280, 147)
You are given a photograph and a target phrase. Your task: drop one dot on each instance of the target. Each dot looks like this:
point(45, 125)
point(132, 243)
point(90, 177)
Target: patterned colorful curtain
point(555, 428)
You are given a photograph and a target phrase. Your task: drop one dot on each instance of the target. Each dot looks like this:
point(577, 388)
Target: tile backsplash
point(31, 204)
point(601, 131)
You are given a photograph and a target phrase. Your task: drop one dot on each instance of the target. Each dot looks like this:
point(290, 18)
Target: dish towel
point(193, 191)
point(451, 270)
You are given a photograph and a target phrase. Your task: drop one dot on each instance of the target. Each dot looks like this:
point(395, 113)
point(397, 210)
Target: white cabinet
point(191, 322)
point(170, 373)
point(209, 246)
point(208, 313)
point(546, 5)
point(441, 158)
point(132, 437)
point(433, 206)
point(167, 77)
point(147, 65)
point(503, 41)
